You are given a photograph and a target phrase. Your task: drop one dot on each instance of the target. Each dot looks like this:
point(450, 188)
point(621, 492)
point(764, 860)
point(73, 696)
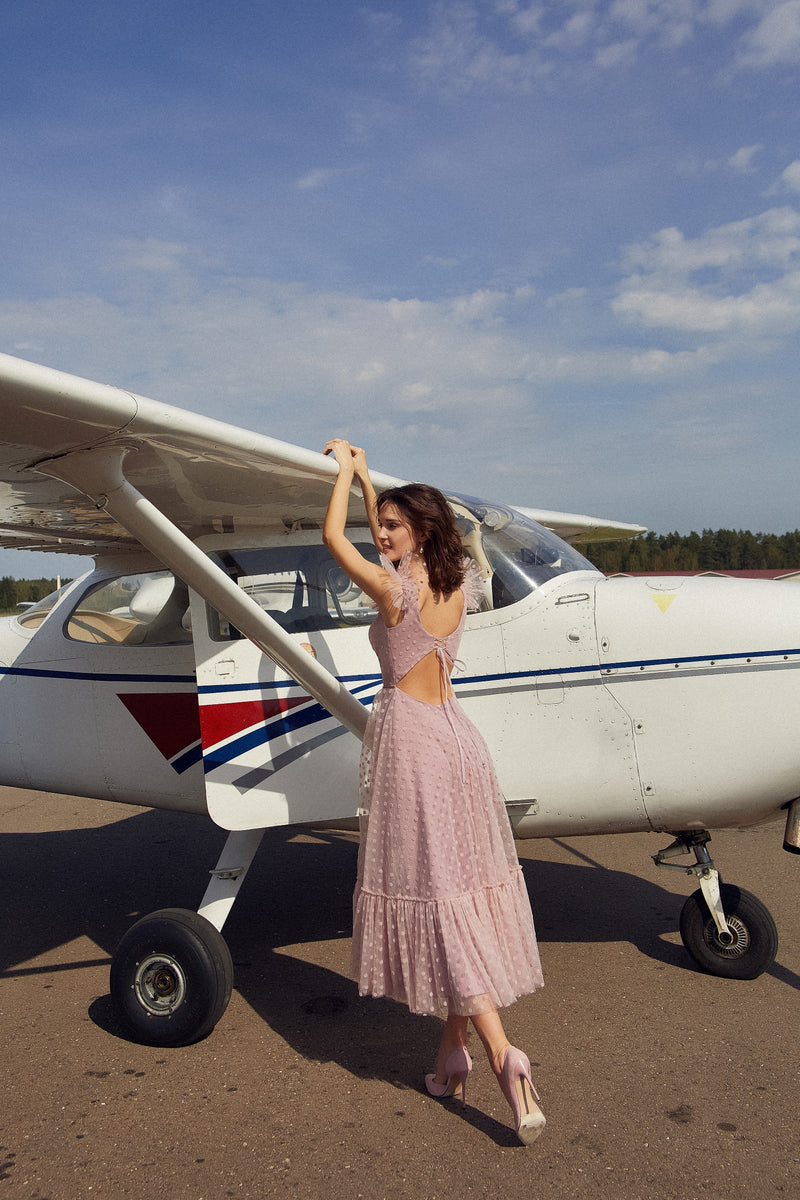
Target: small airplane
point(216, 661)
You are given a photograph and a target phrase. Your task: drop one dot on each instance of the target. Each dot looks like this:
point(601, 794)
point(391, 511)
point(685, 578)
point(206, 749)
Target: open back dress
point(442, 919)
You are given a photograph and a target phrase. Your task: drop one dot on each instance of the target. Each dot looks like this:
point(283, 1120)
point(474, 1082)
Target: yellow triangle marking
point(663, 602)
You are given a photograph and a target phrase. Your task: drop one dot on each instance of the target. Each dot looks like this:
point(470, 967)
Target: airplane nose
point(708, 671)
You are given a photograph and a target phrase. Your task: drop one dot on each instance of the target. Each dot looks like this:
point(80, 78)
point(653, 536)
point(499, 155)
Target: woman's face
point(395, 534)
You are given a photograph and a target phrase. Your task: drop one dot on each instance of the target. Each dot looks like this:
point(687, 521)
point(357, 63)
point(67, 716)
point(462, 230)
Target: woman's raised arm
point(368, 492)
point(352, 461)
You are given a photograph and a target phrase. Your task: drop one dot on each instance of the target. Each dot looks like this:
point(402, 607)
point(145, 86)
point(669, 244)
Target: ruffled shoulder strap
point(402, 587)
point(473, 587)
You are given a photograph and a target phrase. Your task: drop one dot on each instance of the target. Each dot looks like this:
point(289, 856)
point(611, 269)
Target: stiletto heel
point(518, 1089)
point(457, 1068)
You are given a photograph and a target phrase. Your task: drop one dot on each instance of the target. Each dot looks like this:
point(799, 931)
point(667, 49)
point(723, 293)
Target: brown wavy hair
point(432, 521)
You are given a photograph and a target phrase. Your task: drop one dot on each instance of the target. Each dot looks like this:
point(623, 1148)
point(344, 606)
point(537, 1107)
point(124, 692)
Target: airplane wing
point(204, 475)
point(575, 528)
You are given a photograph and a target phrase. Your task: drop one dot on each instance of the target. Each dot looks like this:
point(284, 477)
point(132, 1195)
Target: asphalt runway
point(659, 1082)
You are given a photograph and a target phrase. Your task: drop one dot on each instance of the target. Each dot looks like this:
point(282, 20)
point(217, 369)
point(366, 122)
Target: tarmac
point(659, 1082)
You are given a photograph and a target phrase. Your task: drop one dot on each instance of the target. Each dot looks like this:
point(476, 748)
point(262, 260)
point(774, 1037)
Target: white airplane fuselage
point(609, 706)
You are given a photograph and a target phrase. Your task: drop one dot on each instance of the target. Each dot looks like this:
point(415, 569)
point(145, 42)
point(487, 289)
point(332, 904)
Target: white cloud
point(775, 40)
point(741, 276)
point(670, 22)
point(575, 32)
point(742, 160)
point(481, 305)
point(770, 308)
point(790, 177)
point(617, 54)
point(458, 55)
point(510, 46)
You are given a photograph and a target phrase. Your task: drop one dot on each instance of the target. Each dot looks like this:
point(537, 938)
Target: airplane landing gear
point(727, 931)
point(172, 973)
point(171, 978)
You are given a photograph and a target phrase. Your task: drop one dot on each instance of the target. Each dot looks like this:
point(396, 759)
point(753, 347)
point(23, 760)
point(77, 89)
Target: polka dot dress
point(442, 919)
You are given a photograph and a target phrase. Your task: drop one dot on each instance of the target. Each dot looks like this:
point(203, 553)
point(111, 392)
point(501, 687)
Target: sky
point(543, 252)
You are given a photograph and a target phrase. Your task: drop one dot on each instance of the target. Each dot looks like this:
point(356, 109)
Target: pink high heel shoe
point(457, 1067)
point(518, 1089)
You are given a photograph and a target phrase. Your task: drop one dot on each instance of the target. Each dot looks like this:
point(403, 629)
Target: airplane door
point(272, 754)
point(557, 735)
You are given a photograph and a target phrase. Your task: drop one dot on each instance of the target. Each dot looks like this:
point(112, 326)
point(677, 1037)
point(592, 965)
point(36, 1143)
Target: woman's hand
point(345, 454)
point(360, 462)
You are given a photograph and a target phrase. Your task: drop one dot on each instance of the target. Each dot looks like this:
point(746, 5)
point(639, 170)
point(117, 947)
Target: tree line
point(24, 591)
point(711, 550)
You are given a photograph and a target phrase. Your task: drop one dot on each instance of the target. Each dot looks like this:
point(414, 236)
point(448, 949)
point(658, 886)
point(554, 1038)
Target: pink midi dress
point(441, 919)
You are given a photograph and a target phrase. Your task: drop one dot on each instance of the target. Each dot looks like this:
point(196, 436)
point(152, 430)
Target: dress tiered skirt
point(442, 919)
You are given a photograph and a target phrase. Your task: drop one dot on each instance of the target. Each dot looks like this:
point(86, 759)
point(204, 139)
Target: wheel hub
point(160, 984)
point(734, 945)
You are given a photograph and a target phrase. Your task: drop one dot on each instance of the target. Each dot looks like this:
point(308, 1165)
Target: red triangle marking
point(170, 719)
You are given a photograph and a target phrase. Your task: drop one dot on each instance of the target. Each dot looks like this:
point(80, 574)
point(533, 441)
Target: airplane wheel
point(171, 978)
point(754, 938)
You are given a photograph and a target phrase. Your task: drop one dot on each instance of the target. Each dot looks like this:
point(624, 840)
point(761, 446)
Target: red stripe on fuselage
point(221, 721)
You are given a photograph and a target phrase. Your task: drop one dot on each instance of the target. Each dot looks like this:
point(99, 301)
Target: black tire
point(171, 978)
point(755, 938)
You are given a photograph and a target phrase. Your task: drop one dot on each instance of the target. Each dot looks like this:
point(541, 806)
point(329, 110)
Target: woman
point(442, 920)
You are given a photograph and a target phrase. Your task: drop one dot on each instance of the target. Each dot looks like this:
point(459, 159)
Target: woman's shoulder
point(402, 585)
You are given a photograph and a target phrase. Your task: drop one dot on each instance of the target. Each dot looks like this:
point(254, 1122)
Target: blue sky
point(544, 252)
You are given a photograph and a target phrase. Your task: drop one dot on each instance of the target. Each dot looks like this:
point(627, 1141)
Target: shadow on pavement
point(60, 886)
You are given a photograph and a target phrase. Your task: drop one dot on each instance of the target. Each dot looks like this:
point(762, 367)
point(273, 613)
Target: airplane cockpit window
point(515, 555)
point(301, 587)
point(149, 609)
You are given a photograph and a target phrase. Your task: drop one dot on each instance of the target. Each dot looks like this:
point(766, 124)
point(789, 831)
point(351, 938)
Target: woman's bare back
point(426, 680)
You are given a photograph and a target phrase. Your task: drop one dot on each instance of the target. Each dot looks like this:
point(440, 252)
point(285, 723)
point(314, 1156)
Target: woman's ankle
point(497, 1056)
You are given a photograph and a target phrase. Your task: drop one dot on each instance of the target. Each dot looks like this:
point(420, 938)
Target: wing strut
point(98, 474)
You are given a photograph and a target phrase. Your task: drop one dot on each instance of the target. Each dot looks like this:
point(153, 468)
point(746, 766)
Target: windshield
point(515, 554)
